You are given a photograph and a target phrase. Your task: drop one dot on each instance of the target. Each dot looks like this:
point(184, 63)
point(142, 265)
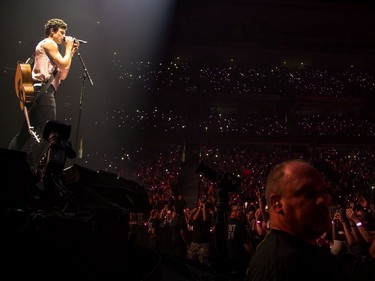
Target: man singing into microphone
point(50, 67)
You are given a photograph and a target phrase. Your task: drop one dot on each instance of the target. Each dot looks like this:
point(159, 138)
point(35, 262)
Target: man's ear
point(275, 202)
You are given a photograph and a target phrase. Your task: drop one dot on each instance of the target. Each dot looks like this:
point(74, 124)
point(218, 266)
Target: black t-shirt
point(236, 237)
point(178, 223)
point(201, 230)
point(283, 257)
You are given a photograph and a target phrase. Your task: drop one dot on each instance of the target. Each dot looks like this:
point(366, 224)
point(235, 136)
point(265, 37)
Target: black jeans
point(43, 108)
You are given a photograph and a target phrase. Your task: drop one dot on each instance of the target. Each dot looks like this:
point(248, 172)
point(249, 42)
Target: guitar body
point(23, 83)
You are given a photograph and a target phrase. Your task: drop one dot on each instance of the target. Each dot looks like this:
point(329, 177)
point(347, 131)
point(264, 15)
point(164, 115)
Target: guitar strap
point(45, 86)
point(31, 59)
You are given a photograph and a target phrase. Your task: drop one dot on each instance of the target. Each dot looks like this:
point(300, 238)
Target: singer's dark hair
point(55, 24)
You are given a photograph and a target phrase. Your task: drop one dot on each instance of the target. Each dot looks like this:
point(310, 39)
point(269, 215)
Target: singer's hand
point(75, 46)
point(69, 41)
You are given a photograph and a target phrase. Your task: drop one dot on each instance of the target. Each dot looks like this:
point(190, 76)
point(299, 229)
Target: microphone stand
point(85, 75)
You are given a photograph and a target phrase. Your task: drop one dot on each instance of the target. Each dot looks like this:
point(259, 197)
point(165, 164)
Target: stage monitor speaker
point(107, 187)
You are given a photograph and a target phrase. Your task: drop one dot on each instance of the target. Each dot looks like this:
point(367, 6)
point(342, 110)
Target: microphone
point(79, 40)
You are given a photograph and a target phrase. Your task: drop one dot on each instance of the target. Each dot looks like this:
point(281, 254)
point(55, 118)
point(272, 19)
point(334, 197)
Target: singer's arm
point(63, 62)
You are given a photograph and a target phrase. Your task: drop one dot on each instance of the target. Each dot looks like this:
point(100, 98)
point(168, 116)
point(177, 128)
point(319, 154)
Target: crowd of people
point(316, 214)
point(191, 230)
point(237, 78)
point(259, 124)
point(242, 116)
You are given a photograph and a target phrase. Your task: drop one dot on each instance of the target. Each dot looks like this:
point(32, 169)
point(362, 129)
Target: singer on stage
point(50, 67)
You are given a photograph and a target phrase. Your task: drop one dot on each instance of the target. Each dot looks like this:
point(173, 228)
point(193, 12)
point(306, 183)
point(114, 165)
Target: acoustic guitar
point(25, 92)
